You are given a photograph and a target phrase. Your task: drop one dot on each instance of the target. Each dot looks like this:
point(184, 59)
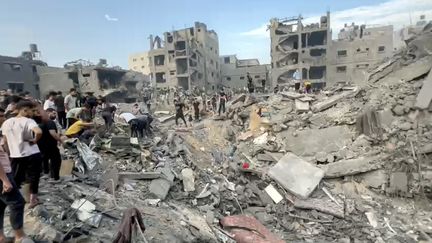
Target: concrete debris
point(311, 141)
point(273, 193)
point(398, 182)
point(188, 180)
point(333, 100)
point(120, 141)
point(302, 106)
point(296, 175)
point(320, 205)
point(424, 97)
point(373, 221)
point(66, 167)
point(261, 140)
point(374, 179)
point(352, 166)
point(140, 175)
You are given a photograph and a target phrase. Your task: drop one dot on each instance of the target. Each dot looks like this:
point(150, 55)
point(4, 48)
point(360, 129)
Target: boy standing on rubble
point(10, 195)
point(21, 135)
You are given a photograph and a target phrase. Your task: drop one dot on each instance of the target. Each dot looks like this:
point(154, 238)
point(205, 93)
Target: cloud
point(109, 18)
point(399, 13)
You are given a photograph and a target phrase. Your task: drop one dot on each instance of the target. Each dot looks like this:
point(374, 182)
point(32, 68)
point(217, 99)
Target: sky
point(69, 30)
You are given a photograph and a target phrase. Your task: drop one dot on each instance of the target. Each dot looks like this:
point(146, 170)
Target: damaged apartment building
point(234, 72)
point(185, 58)
point(321, 60)
point(117, 84)
point(298, 46)
point(20, 73)
point(357, 49)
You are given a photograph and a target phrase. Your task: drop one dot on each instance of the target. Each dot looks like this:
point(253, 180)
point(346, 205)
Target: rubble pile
point(350, 164)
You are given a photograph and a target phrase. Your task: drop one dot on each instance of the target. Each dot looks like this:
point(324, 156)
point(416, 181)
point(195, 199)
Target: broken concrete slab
point(266, 157)
point(261, 140)
point(398, 182)
point(292, 95)
point(273, 193)
point(385, 118)
point(321, 205)
point(165, 118)
point(296, 175)
point(159, 188)
point(367, 123)
point(109, 180)
point(424, 97)
point(240, 98)
point(188, 180)
point(373, 221)
point(352, 166)
point(323, 105)
point(308, 142)
point(66, 167)
point(246, 229)
point(374, 179)
point(120, 141)
point(302, 106)
point(140, 175)
point(426, 149)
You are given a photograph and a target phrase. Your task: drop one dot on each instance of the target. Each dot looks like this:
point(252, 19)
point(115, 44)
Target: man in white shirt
point(297, 79)
point(50, 102)
point(70, 100)
point(127, 116)
point(21, 135)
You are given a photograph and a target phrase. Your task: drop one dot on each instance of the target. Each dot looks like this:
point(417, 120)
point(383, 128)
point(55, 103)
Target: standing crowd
point(31, 134)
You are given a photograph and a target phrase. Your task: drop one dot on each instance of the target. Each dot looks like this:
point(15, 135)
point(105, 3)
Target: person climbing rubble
point(222, 101)
point(82, 129)
point(10, 196)
point(179, 106)
point(195, 105)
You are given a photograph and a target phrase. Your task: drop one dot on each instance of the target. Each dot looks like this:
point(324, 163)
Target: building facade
point(20, 73)
point(234, 71)
point(185, 58)
point(357, 49)
point(140, 62)
point(295, 46)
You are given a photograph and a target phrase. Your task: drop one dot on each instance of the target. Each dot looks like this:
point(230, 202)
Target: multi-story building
point(234, 72)
point(140, 62)
point(20, 73)
point(185, 58)
point(295, 46)
point(357, 49)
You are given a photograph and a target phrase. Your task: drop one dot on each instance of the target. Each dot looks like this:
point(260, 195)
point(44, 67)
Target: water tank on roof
point(33, 48)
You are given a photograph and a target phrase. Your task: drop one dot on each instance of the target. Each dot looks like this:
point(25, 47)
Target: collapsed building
point(234, 71)
point(117, 84)
point(185, 58)
point(298, 46)
point(20, 73)
point(356, 49)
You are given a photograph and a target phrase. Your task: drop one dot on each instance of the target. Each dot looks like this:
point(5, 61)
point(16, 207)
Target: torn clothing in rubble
point(128, 225)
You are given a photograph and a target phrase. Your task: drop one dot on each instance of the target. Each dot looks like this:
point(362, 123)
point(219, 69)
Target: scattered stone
point(374, 179)
point(66, 167)
point(330, 158)
point(296, 175)
point(373, 221)
point(321, 157)
point(399, 110)
point(424, 97)
point(188, 180)
point(301, 106)
point(405, 126)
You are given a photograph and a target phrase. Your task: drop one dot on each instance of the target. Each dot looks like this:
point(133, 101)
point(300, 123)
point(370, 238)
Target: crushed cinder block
point(188, 180)
point(302, 106)
point(296, 175)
